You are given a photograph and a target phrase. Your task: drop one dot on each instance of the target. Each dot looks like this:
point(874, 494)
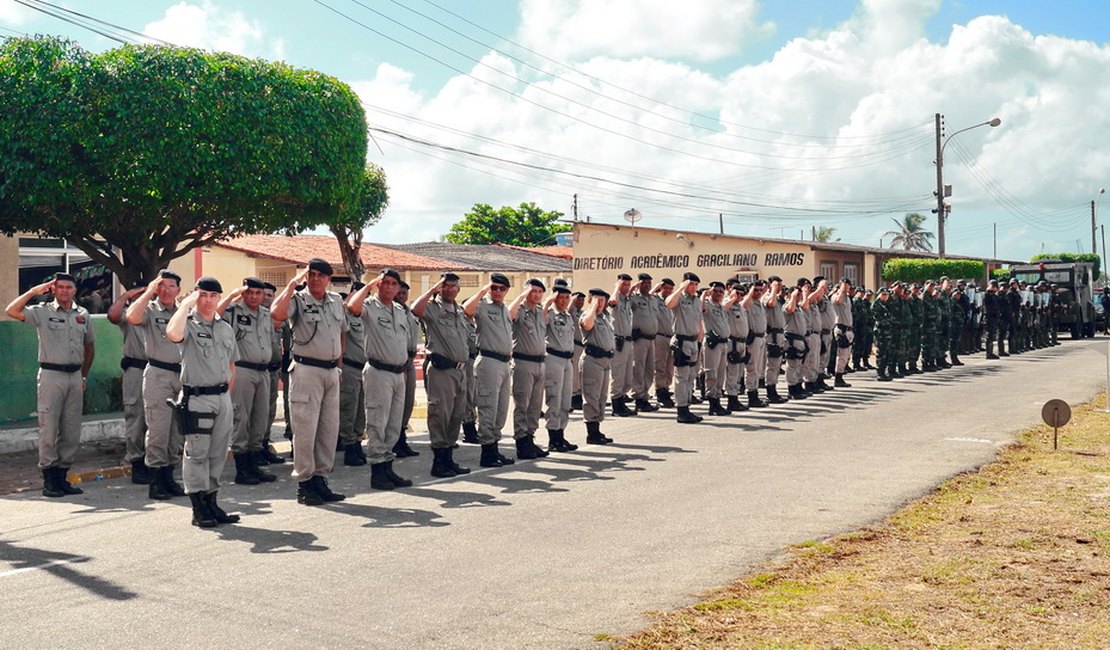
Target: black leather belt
point(621, 339)
point(443, 362)
point(598, 353)
point(791, 336)
point(810, 332)
point(646, 337)
point(825, 331)
point(737, 339)
point(60, 367)
point(354, 364)
point(474, 354)
point(504, 358)
point(559, 353)
point(534, 358)
point(683, 338)
point(260, 367)
point(327, 364)
point(192, 391)
point(579, 344)
point(274, 367)
point(774, 330)
point(757, 335)
point(132, 362)
point(162, 365)
point(397, 370)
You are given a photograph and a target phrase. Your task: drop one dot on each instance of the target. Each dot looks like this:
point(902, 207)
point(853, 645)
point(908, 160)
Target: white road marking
point(47, 565)
point(983, 441)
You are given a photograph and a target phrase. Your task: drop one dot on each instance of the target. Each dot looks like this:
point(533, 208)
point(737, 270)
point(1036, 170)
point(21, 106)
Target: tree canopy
point(915, 269)
point(142, 153)
point(1092, 258)
point(911, 235)
point(526, 225)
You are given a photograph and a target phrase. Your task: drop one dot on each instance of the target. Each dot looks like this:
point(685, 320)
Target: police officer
point(470, 413)
point(266, 456)
point(133, 363)
point(824, 324)
point(352, 397)
point(401, 448)
point(317, 324)
point(529, 349)
point(798, 338)
point(689, 329)
point(558, 368)
point(66, 341)
point(600, 348)
point(776, 339)
point(491, 370)
point(208, 356)
point(645, 325)
point(250, 396)
point(664, 360)
point(814, 293)
point(621, 305)
point(577, 303)
point(756, 366)
point(161, 382)
point(445, 378)
point(714, 352)
point(844, 330)
point(885, 325)
point(993, 315)
point(737, 352)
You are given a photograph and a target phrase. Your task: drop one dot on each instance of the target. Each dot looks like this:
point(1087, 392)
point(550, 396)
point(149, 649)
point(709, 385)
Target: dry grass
point(1015, 555)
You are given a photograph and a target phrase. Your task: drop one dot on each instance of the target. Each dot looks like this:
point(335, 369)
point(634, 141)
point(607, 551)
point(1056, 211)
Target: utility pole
point(1103, 227)
point(721, 221)
point(1094, 240)
point(940, 185)
point(574, 206)
point(995, 224)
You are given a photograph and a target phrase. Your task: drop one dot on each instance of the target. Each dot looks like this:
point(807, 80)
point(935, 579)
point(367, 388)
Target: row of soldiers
point(201, 375)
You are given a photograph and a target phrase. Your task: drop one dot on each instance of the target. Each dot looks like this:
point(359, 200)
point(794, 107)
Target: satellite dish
point(632, 215)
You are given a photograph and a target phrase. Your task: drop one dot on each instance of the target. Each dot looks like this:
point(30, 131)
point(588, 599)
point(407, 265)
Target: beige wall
point(602, 251)
point(9, 270)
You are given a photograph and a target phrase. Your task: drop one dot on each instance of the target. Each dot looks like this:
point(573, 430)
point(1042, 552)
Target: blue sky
point(818, 112)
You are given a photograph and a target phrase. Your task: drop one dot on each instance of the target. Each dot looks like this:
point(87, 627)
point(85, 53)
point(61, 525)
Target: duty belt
point(559, 353)
point(274, 367)
point(443, 362)
point(622, 339)
point(374, 363)
point(790, 336)
point(599, 353)
point(578, 344)
point(192, 391)
point(737, 339)
point(351, 363)
point(846, 328)
point(534, 358)
point(260, 367)
point(327, 364)
point(774, 330)
point(757, 335)
point(474, 354)
point(503, 358)
point(684, 338)
point(162, 365)
point(810, 332)
point(132, 362)
point(825, 331)
point(60, 367)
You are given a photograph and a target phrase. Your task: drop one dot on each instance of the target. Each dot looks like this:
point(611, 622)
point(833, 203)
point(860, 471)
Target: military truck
point(1073, 295)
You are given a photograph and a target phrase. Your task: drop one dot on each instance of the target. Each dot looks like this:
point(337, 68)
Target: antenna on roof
point(632, 215)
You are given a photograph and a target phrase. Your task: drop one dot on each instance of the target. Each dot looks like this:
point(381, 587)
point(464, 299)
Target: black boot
point(715, 407)
point(140, 474)
point(795, 391)
point(172, 486)
point(201, 515)
point(558, 441)
point(378, 479)
point(324, 490)
point(217, 512)
point(307, 495)
point(470, 433)
point(840, 383)
point(262, 475)
point(882, 374)
point(402, 449)
point(773, 396)
point(455, 467)
point(576, 402)
point(594, 435)
point(268, 454)
point(663, 396)
point(351, 455)
point(753, 400)
point(50, 487)
point(644, 406)
point(620, 408)
point(492, 457)
point(686, 417)
point(956, 360)
point(243, 473)
point(398, 481)
point(526, 448)
point(440, 465)
point(820, 383)
point(157, 490)
point(735, 405)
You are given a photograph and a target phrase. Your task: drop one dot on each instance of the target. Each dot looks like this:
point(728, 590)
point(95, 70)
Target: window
point(828, 269)
point(276, 278)
point(851, 271)
point(39, 258)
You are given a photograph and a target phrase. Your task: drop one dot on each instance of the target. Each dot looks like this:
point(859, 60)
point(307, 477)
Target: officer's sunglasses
point(498, 287)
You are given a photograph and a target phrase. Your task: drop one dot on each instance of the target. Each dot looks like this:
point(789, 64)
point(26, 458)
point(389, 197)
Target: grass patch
point(1016, 554)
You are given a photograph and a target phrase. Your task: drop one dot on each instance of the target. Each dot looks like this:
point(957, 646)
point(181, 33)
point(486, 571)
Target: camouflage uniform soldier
point(66, 341)
point(601, 345)
point(916, 312)
point(956, 302)
point(993, 314)
point(930, 328)
point(133, 363)
point(664, 360)
point(886, 324)
point(645, 325)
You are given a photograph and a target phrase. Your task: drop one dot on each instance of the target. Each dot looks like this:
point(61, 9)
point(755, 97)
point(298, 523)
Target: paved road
point(544, 554)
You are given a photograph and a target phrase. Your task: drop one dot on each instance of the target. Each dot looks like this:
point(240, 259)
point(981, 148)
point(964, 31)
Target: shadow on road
point(389, 517)
point(59, 565)
point(457, 499)
point(269, 541)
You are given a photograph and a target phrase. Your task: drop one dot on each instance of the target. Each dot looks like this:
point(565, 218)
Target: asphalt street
point(545, 554)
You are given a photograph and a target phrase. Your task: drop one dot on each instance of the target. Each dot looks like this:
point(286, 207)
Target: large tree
point(141, 154)
point(526, 225)
point(371, 200)
point(911, 234)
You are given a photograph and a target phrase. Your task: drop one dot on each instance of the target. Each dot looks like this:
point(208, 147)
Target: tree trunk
point(350, 243)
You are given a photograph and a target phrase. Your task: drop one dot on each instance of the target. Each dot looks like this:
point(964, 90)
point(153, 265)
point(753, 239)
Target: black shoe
point(351, 455)
point(795, 391)
point(992, 356)
point(458, 469)
point(1003, 354)
point(63, 484)
point(441, 467)
point(217, 512)
point(820, 383)
point(840, 383)
point(268, 454)
point(620, 408)
point(576, 402)
point(202, 517)
point(157, 490)
point(324, 490)
point(644, 406)
point(378, 479)
point(735, 405)
point(243, 473)
point(557, 441)
point(773, 396)
point(402, 449)
point(172, 486)
point(956, 361)
point(492, 457)
point(398, 481)
point(663, 396)
point(470, 433)
point(686, 417)
point(50, 487)
point(140, 474)
point(882, 375)
point(594, 435)
point(715, 407)
point(307, 495)
point(753, 400)
point(526, 448)
point(262, 475)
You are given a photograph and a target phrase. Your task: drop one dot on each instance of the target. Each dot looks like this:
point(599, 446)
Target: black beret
point(166, 273)
point(559, 282)
point(320, 266)
point(65, 277)
point(760, 283)
point(667, 281)
point(599, 292)
point(267, 285)
point(643, 276)
point(390, 273)
point(404, 285)
point(578, 293)
point(818, 278)
point(209, 283)
point(449, 277)
point(843, 280)
point(691, 276)
point(717, 285)
point(774, 278)
point(536, 282)
point(498, 278)
point(253, 283)
point(884, 290)
point(560, 289)
point(803, 282)
point(624, 276)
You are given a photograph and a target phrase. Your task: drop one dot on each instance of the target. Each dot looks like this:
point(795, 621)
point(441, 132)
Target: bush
point(1000, 274)
point(911, 269)
point(1073, 257)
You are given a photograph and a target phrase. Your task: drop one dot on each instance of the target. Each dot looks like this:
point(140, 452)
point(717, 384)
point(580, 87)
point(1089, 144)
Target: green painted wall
point(19, 368)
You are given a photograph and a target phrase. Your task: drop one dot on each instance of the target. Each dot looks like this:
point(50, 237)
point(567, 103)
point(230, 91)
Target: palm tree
point(910, 235)
point(824, 233)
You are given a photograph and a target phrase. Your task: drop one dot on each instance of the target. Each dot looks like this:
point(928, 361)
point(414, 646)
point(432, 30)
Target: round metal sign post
point(1055, 413)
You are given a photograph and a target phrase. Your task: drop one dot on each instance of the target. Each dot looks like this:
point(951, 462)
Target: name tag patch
point(203, 335)
point(243, 319)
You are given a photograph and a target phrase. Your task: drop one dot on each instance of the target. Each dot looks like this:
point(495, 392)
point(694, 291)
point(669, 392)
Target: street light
point(941, 211)
point(1094, 213)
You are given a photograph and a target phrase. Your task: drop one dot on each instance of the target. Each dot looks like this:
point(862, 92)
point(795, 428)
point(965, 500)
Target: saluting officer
point(491, 370)
point(756, 365)
point(208, 356)
point(715, 357)
point(558, 368)
point(470, 413)
point(317, 324)
point(529, 347)
point(401, 448)
point(250, 396)
point(445, 377)
point(845, 330)
point(266, 456)
point(737, 355)
point(601, 345)
point(688, 327)
point(645, 325)
point(387, 325)
point(66, 341)
point(621, 373)
point(133, 363)
point(577, 302)
point(776, 338)
point(797, 331)
point(161, 382)
point(664, 330)
point(352, 397)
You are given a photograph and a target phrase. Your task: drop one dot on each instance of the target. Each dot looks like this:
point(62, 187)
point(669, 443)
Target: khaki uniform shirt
point(355, 349)
point(254, 332)
point(158, 347)
point(207, 349)
point(447, 329)
point(645, 317)
point(529, 330)
point(495, 330)
point(387, 331)
point(602, 335)
point(318, 325)
point(63, 333)
point(560, 330)
point(133, 344)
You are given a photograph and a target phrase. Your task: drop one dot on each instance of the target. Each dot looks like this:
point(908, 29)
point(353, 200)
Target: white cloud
point(13, 14)
point(210, 27)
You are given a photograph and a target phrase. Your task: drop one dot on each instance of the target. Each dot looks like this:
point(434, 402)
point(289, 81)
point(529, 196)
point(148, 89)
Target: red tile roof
point(564, 252)
point(300, 248)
